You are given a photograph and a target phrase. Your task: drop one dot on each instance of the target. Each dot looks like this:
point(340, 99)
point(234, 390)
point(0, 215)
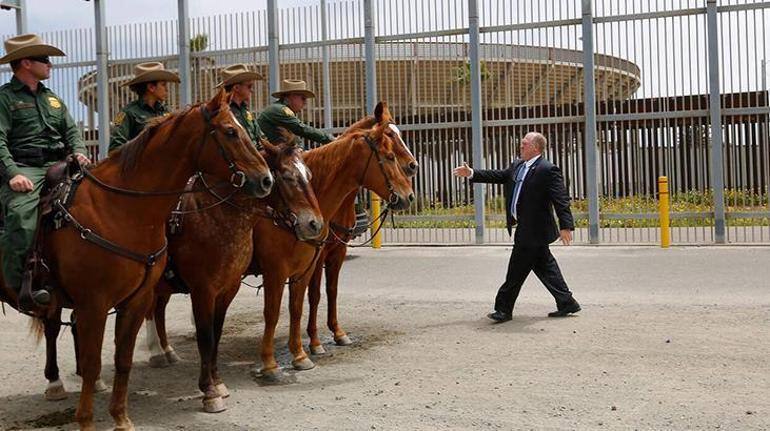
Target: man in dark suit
point(534, 189)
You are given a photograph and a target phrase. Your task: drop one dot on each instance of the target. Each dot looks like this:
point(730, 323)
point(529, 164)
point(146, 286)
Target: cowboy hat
point(289, 86)
point(26, 46)
point(150, 72)
point(237, 73)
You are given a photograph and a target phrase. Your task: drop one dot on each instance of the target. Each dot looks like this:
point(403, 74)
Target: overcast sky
point(48, 15)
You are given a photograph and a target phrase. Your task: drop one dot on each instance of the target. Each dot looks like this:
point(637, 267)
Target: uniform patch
point(288, 111)
point(54, 102)
point(119, 118)
point(249, 117)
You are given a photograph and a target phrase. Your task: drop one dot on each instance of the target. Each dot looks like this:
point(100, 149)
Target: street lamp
point(20, 6)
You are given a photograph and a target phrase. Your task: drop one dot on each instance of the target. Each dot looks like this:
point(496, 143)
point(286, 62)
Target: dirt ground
point(667, 339)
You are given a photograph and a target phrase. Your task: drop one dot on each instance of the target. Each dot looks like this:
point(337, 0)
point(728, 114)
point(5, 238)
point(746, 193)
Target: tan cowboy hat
point(26, 46)
point(237, 73)
point(150, 72)
point(289, 86)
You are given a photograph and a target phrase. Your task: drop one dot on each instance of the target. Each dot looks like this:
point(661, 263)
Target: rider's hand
point(21, 184)
point(463, 171)
point(82, 159)
point(566, 236)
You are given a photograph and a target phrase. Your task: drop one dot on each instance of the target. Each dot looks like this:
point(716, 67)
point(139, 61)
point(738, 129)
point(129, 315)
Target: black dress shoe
point(499, 316)
point(566, 310)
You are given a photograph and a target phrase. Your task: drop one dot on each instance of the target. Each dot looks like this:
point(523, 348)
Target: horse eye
point(391, 156)
point(231, 131)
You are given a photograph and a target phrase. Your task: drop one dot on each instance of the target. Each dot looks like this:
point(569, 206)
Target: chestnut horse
point(333, 255)
point(357, 158)
point(107, 208)
point(214, 277)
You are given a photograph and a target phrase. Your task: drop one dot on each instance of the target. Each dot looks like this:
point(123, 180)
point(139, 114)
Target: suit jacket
point(542, 194)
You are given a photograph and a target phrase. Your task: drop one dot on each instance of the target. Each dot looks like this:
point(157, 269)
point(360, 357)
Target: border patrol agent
point(36, 131)
point(283, 113)
point(150, 83)
point(239, 82)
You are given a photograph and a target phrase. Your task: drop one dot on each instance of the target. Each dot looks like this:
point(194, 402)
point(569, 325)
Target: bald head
point(532, 145)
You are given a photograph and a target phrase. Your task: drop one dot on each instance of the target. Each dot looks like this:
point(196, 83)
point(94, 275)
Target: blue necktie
point(521, 172)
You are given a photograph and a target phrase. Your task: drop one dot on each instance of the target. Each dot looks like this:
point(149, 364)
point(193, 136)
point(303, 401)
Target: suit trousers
point(525, 259)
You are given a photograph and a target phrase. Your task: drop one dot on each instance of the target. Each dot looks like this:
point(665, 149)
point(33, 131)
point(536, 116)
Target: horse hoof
point(214, 405)
point(127, 427)
point(172, 357)
point(303, 364)
point(99, 386)
point(272, 374)
point(317, 350)
point(55, 391)
point(222, 390)
point(343, 340)
point(158, 361)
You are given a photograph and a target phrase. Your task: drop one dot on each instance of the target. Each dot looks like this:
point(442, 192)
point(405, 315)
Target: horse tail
point(37, 329)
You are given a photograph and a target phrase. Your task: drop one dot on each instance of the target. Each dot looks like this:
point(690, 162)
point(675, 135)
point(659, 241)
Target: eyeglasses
point(41, 59)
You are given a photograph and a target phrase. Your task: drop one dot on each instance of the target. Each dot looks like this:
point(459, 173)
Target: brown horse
point(333, 255)
point(357, 158)
point(214, 277)
point(338, 169)
point(107, 205)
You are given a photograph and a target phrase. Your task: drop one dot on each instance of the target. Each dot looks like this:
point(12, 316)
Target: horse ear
point(269, 148)
point(382, 113)
point(286, 135)
point(216, 102)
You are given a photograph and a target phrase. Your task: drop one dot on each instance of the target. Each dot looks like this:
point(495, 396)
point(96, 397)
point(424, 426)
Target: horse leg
point(127, 324)
point(296, 301)
point(203, 311)
point(161, 354)
point(314, 298)
point(99, 386)
point(223, 302)
point(273, 293)
point(51, 327)
point(90, 335)
point(333, 268)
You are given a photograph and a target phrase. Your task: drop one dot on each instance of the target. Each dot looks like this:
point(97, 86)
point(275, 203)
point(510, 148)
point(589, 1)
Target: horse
point(333, 255)
point(214, 277)
point(360, 157)
point(115, 232)
point(339, 168)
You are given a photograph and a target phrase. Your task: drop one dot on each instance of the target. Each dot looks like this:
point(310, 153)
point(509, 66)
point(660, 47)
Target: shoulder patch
point(119, 118)
point(54, 102)
point(288, 111)
point(249, 117)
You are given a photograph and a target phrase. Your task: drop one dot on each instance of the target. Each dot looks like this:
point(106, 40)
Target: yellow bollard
point(377, 240)
point(665, 229)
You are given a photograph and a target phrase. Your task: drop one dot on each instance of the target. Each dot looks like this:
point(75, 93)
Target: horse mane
point(127, 156)
point(366, 122)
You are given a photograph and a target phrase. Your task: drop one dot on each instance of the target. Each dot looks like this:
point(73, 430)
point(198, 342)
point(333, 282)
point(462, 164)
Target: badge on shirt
point(54, 102)
point(249, 117)
point(119, 118)
point(288, 111)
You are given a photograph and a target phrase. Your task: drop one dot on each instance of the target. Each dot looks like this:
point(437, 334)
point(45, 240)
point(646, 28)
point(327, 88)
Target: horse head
point(295, 198)
point(227, 151)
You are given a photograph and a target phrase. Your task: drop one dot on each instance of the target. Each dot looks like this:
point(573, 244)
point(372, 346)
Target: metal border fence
point(624, 91)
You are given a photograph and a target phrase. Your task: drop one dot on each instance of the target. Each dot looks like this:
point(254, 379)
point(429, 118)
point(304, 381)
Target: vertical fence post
point(21, 17)
point(274, 82)
point(715, 110)
point(327, 91)
point(767, 126)
point(476, 115)
point(663, 208)
point(371, 90)
point(103, 106)
point(185, 86)
point(589, 103)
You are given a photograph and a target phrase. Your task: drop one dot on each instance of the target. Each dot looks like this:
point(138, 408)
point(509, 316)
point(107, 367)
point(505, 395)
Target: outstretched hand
point(463, 171)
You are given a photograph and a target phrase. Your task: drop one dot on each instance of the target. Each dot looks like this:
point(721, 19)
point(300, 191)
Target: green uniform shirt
point(131, 119)
point(280, 115)
point(248, 121)
point(35, 128)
